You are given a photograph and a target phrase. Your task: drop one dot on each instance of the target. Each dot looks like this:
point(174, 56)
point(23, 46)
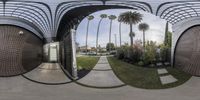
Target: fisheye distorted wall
point(20, 50)
point(187, 52)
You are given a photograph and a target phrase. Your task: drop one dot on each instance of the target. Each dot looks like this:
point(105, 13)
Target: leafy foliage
point(111, 45)
point(150, 52)
point(132, 54)
point(143, 26)
point(130, 17)
point(112, 17)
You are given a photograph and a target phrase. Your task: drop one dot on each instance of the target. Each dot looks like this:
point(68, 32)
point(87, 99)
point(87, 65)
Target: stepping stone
point(167, 79)
point(167, 63)
point(162, 71)
point(159, 64)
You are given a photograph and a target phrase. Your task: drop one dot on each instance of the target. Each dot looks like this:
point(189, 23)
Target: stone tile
point(167, 79)
point(162, 71)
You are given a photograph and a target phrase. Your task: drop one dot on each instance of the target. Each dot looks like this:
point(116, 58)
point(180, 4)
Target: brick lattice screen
point(187, 54)
point(18, 53)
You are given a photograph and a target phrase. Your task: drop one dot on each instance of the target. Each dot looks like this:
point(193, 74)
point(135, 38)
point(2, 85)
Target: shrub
point(111, 46)
point(150, 52)
point(141, 63)
point(134, 54)
point(165, 52)
point(130, 54)
point(120, 53)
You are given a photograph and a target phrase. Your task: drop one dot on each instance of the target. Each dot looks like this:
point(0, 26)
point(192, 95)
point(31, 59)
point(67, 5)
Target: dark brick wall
point(66, 53)
point(18, 53)
point(187, 54)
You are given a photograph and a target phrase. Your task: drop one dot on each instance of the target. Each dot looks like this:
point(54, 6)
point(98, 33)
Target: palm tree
point(166, 36)
point(111, 17)
point(120, 32)
point(97, 39)
point(91, 17)
point(130, 18)
point(143, 27)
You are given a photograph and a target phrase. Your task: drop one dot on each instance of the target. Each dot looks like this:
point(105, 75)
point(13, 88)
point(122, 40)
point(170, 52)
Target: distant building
point(84, 49)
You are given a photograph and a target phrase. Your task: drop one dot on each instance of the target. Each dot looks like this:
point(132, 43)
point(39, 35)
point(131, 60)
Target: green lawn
point(86, 62)
point(142, 77)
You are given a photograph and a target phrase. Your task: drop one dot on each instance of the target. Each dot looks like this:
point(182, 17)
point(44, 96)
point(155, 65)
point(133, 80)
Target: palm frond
point(143, 27)
point(103, 16)
point(130, 17)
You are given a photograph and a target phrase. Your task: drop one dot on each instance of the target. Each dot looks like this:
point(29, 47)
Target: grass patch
point(178, 74)
point(86, 62)
point(142, 77)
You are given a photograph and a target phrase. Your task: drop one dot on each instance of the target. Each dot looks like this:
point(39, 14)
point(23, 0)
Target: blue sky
point(155, 33)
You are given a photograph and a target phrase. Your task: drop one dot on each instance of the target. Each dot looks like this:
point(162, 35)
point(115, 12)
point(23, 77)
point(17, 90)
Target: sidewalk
point(102, 75)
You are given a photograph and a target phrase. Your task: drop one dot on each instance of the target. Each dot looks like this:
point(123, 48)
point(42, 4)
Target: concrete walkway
point(101, 76)
point(48, 73)
point(19, 88)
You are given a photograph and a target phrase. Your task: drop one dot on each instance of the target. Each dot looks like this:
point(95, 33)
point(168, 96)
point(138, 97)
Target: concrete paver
point(162, 71)
point(167, 79)
point(101, 75)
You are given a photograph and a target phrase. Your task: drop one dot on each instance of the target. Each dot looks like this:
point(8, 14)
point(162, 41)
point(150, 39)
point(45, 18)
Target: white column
point(74, 67)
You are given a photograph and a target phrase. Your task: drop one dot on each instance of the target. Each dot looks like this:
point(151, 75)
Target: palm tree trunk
point(110, 36)
point(131, 33)
point(120, 34)
point(87, 36)
point(143, 39)
point(98, 35)
point(143, 44)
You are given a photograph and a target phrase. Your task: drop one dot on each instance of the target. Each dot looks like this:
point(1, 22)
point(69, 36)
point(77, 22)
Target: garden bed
point(144, 77)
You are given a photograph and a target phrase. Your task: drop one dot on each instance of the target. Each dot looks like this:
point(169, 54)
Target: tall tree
point(111, 17)
point(166, 31)
point(168, 36)
point(97, 39)
point(91, 17)
point(143, 27)
point(130, 18)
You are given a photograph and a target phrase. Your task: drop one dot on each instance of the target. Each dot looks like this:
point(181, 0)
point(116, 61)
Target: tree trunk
point(143, 44)
point(86, 43)
point(110, 36)
point(143, 39)
point(131, 33)
point(120, 34)
point(98, 35)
